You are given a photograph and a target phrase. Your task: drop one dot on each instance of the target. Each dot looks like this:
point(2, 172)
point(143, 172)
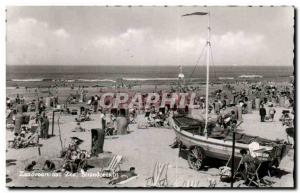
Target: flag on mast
point(195, 13)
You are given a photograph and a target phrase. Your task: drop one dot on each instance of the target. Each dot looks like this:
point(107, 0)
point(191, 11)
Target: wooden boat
point(190, 135)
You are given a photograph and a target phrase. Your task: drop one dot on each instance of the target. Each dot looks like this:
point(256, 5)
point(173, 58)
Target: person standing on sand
point(272, 112)
point(95, 104)
point(8, 102)
point(44, 125)
point(262, 113)
point(41, 106)
point(19, 119)
point(17, 99)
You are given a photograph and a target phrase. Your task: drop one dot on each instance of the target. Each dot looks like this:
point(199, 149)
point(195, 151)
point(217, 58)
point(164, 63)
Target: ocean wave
point(250, 76)
point(96, 80)
point(225, 78)
point(145, 79)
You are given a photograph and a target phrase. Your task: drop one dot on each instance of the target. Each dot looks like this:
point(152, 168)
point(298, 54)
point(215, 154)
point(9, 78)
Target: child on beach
point(272, 112)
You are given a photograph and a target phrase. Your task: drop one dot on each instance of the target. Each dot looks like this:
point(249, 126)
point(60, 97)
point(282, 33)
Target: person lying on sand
point(78, 128)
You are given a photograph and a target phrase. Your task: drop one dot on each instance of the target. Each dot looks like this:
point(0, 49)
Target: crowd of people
point(26, 129)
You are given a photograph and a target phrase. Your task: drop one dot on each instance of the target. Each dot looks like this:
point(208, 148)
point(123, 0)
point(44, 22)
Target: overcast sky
point(148, 35)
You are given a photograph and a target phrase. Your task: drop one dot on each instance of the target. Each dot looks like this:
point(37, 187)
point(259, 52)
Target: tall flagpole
point(207, 74)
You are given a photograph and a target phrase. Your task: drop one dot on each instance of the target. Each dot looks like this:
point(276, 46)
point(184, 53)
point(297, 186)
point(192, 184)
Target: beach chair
point(253, 175)
point(111, 169)
point(109, 131)
point(159, 176)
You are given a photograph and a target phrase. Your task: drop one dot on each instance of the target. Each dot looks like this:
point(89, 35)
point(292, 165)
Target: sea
point(25, 73)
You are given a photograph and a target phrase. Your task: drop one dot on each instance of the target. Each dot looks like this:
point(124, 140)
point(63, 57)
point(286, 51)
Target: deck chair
point(253, 175)
point(109, 131)
point(159, 176)
point(111, 169)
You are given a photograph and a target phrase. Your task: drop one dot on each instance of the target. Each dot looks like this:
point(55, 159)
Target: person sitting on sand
point(78, 128)
point(49, 166)
point(82, 165)
point(22, 140)
point(83, 117)
point(16, 142)
point(30, 167)
point(248, 161)
point(151, 119)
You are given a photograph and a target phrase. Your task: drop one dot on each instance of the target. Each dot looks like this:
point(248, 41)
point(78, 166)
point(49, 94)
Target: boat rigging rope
point(198, 60)
point(213, 63)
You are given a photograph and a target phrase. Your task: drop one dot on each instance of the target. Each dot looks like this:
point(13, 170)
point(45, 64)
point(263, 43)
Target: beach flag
point(195, 13)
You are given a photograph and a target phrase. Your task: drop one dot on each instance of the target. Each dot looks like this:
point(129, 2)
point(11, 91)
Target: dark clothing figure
point(44, 127)
point(98, 136)
point(18, 99)
point(95, 104)
point(41, 106)
point(49, 166)
point(18, 122)
point(30, 167)
point(262, 113)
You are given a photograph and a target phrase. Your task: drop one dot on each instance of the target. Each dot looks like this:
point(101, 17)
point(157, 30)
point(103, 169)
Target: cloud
point(61, 33)
point(229, 48)
point(51, 35)
point(239, 48)
point(126, 39)
point(34, 42)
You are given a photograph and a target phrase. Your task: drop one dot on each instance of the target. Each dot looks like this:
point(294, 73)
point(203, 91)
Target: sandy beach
point(141, 148)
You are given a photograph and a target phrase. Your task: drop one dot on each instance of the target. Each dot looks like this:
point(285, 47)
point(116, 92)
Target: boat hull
point(214, 148)
point(220, 150)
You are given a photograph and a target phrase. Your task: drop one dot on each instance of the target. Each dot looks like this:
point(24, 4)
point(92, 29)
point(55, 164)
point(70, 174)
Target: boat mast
point(208, 47)
point(207, 73)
